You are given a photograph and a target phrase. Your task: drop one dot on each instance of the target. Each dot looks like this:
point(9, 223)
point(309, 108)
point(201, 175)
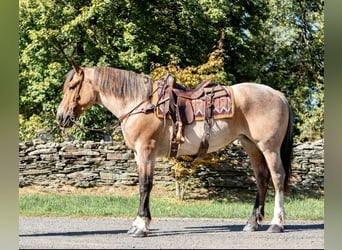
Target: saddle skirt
point(215, 102)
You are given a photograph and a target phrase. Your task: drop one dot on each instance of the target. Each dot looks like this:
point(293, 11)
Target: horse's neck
point(118, 106)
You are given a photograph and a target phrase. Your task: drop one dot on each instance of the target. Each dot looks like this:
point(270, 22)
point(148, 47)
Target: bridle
point(76, 97)
point(71, 111)
point(150, 108)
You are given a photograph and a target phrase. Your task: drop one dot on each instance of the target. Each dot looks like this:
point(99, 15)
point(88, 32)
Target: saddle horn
point(170, 80)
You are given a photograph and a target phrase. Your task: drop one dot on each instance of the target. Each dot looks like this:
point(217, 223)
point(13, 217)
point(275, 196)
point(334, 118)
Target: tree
point(278, 43)
point(120, 33)
point(297, 64)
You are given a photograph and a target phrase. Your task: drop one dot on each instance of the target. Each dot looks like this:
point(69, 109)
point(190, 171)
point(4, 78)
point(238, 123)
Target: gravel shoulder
point(165, 233)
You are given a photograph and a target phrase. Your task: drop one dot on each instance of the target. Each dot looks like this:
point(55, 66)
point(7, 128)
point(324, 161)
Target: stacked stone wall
point(94, 164)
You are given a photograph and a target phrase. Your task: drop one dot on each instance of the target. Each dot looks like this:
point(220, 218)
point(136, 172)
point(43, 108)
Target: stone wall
point(89, 164)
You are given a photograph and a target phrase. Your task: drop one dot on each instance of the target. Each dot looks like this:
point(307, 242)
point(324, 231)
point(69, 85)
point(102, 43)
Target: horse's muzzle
point(65, 121)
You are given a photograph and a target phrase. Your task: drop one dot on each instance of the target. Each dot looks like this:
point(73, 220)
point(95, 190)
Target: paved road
point(176, 233)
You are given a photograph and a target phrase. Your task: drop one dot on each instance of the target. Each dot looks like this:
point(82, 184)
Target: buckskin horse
point(261, 121)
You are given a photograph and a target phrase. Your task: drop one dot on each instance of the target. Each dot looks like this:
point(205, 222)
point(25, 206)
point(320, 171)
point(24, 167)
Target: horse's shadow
point(155, 232)
point(196, 230)
point(232, 228)
point(76, 233)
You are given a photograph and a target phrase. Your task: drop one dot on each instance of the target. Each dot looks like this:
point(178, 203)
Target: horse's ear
point(76, 68)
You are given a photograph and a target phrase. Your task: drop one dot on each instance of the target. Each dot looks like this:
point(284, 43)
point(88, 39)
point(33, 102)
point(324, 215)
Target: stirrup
point(179, 136)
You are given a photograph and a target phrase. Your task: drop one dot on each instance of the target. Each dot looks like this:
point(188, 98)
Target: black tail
point(286, 150)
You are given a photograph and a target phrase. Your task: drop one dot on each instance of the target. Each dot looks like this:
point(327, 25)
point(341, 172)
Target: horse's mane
point(122, 83)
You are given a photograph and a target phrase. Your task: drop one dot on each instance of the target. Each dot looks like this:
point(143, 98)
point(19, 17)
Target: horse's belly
point(220, 136)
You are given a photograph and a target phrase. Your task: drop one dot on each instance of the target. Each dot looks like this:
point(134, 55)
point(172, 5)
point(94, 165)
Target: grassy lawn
point(162, 205)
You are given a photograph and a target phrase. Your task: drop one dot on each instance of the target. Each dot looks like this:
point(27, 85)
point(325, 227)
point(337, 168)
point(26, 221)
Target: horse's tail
point(286, 149)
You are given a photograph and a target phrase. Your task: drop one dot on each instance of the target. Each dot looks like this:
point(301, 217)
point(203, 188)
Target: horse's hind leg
point(262, 176)
point(277, 171)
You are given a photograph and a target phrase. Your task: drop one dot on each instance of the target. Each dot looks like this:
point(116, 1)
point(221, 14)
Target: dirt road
point(166, 233)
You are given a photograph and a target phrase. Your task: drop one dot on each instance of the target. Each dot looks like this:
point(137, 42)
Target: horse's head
point(78, 96)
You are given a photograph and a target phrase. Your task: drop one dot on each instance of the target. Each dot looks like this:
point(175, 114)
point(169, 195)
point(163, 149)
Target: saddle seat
point(192, 94)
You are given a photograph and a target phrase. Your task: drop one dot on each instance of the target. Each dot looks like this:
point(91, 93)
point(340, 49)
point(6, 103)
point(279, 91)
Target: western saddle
point(185, 105)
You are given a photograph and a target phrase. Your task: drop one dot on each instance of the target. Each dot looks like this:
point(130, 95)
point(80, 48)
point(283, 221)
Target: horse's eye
point(71, 87)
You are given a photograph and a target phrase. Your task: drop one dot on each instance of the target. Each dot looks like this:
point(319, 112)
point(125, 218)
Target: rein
point(151, 107)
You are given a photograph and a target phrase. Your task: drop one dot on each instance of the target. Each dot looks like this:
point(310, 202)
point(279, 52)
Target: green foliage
point(186, 167)
point(29, 127)
point(278, 43)
point(297, 64)
point(191, 76)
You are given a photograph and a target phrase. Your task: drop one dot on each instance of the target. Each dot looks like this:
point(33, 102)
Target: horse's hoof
point(274, 228)
point(251, 227)
point(139, 233)
point(132, 230)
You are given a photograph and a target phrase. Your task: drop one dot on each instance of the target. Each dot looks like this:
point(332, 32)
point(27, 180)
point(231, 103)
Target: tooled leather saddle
point(183, 106)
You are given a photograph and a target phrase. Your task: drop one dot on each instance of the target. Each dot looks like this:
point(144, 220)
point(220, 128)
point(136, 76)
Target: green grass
point(81, 205)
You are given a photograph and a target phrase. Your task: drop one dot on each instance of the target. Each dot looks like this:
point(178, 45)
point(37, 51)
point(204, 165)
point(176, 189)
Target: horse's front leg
point(140, 226)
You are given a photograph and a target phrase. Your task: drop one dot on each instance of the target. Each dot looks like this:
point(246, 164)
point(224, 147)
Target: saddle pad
point(223, 105)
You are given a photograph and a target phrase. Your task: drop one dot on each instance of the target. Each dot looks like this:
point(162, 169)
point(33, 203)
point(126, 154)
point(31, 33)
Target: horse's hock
point(93, 164)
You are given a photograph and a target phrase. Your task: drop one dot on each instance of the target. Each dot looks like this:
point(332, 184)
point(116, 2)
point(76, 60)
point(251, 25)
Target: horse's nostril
point(65, 121)
point(60, 118)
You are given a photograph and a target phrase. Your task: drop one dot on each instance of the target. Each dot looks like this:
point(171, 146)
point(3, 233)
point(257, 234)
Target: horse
point(262, 122)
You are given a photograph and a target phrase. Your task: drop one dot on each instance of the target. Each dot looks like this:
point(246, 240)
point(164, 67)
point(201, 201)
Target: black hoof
point(251, 227)
point(275, 229)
